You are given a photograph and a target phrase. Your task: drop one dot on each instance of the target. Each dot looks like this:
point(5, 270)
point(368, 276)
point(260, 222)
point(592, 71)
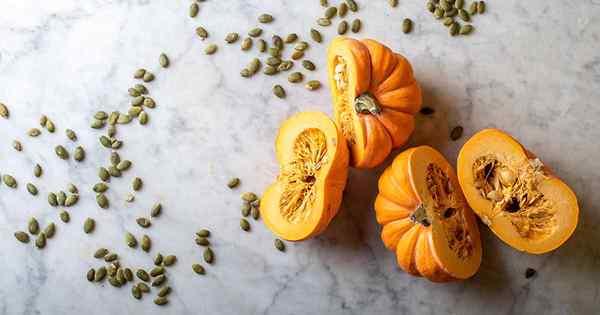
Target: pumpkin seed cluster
point(449, 12)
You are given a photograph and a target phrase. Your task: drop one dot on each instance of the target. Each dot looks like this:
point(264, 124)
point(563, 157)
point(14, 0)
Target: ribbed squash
point(425, 218)
point(375, 97)
point(515, 194)
point(307, 194)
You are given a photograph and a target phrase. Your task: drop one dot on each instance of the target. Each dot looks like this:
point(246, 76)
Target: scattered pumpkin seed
point(161, 300)
point(249, 196)
point(285, 65)
point(170, 260)
point(232, 37)
point(96, 124)
point(451, 13)
point(135, 291)
point(143, 118)
point(71, 200)
point(438, 13)
point(37, 171)
point(61, 197)
point(40, 241)
point(393, 3)
point(245, 209)
point(139, 73)
point(128, 274)
point(130, 197)
point(103, 174)
point(255, 32)
point(111, 257)
point(137, 184)
point(342, 9)
point(89, 225)
point(323, 21)
point(105, 141)
point(313, 85)
point(9, 181)
point(194, 8)
point(124, 119)
point(269, 70)
point(301, 46)
point(233, 183)
point(143, 287)
point(246, 43)
point(158, 281)
point(164, 291)
point(114, 282)
point(331, 12)
point(124, 165)
point(290, 38)
point(295, 77)
point(146, 243)
point(316, 35)
point(208, 255)
point(245, 73)
point(203, 233)
point(157, 271)
point(324, 3)
point(202, 241)
point(142, 89)
point(22, 237)
point(448, 21)
point(464, 15)
point(297, 55)
point(481, 7)
point(100, 274)
point(100, 253)
point(61, 152)
point(279, 91)
point(273, 61)
point(262, 45)
point(156, 210)
point(130, 240)
point(453, 30)
point(52, 199)
point(4, 113)
point(137, 101)
point(142, 275)
point(352, 5)
point(342, 28)
point(50, 230)
point(34, 132)
point(407, 26)
point(198, 269)
point(265, 18)
point(133, 92)
point(102, 201)
point(17, 145)
point(90, 275)
point(72, 188)
point(244, 225)
point(50, 126)
point(255, 213)
point(465, 29)
point(274, 52)
point(64, 216)
point(116, 144)
point(356, 25)
point(279, 245)
point(148, 77)
point(456, 133)
point(473, 8)
point(101, 115)
point(163, 60)
point(277, 42)
point(158, 259)
point(114, 171)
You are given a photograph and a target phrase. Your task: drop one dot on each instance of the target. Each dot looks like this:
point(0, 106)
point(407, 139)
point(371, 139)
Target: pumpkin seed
point(285, 65)
point(232, 37)
point(105, 141)
point(208, 255)
point(52, 199)
point(245, 209)
point(112, 118)
point(448, 21)
point(137, 184)
point(465, 29)
point(142, 275)
point(473, 8)
point(530, 272)
point(161, 301)
point(393, 3)
point(143, 287)
point(163, 60)
point(290, 38)
point(302, 46)
point(244, 225)
point(111, 270)
point(22, 237)
point(201, 32)
point(277, 42)
point(297, 55)
point(9, 181)
point(79, 154)
point(96, 124)
point(128, 274)
point(356, 25)
point(100, 274)
point(315, 35)
point(40, 241)
point(156, 210)
point(464, 15)
point(262, 45)
point(90, 275)
point(61, 152)
point(144, 118)
point(330, 12)
point(352, 5)
point(142, 89)
point(130, 197)
point(148, 77)
point(194, 8)
point(72, 189)
point(43, 120)
point(34, 132)
point(233, 183)
point(37, 170)
point(130, 240)
point(114, 282)
point(103, 174)
point(324, 21)
point(169, 260)
point(273, 61)
point(50, 230)
point(451, 13)
point(17, 145)
point(481, 7)
point(295, 77)
point(454, 28)
point(89, 225)
point(4, 113)
point(203, 233)
point(255, 213)
point(102, 201)
point(124, 119)
point(146, 243)
point(157, 271)
point(438, 13)
point(342, 28)
point(124, 165)
point(158, 281)
point(269, 70)
point(274, 52)
point(279, 245)
point(279, 91)
point(61, 197)
point(198, 269)
point(456, 133)
point(71, 200)
point(202, 241)
point(114, 171)
point(50, 126)
point(164, 291)
point(255, 32)
point(137, 101)
point(135, 291)
point(324, 3)
point(247, 43)
point(111, 257)
point(64, 216)
point(406, 26)
point(139, 73)
point(33, 226)
point(313, 85)
point(158, 259)
point(100, 253)
point(265, 18)
point(133, 92)
point(134, 111)
point(245, 73)
point(249, 196)
point(459, 4)
point(342, 9)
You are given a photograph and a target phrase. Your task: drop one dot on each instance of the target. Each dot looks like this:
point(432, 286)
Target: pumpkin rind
point(420, 246)
point(366, 68)
point(308, 192)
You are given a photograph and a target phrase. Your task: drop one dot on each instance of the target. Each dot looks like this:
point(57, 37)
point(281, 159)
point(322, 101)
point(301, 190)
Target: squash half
point(307, 194)
point(426, 219)
point(515, 194)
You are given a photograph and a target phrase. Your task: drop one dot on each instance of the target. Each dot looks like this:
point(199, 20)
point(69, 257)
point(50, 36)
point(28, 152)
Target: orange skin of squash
point(412, 241)
point(388, 77)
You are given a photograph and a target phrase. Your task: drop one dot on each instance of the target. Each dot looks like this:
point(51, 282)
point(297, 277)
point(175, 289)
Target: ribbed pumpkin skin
point(411, 241)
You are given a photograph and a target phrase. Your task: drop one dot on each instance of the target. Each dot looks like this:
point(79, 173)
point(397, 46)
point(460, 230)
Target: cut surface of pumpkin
point(375, 97)
point(313, 160)
point(515, 194)
point(425, 218)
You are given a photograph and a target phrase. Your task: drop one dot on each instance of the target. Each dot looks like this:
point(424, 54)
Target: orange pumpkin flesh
point(515, 194)
point(426, 219)
point(375, 97)
point(307, 194)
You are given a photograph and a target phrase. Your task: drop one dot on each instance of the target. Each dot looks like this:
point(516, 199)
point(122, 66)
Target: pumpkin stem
point(420, 216)
point(366, 104)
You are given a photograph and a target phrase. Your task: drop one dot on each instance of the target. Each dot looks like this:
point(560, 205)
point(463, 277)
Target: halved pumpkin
point(426, 219)
point(375, 97)
point(307, 194)
point(515, 194)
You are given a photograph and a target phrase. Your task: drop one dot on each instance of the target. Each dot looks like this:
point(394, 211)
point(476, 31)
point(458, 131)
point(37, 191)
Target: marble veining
point(531, 68)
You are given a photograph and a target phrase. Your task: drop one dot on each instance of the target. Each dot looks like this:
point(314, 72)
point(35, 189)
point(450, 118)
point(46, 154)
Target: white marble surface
point(531, 68)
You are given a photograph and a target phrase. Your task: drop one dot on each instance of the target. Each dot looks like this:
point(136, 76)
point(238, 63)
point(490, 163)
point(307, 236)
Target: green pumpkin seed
point(40, 241)
point(277, 42)
point(297, 55)
point(105, 141)
point(139, 73)
point(459, 4)
point(198, 269)
point(148, 77)
point(130, 197)
point(157, 271)
point(202, 241)
point(158, 281)
point(194, 8)
point(164, 291)
point(52, 199)
point(115, 158)
point(481, 7)
point(352, 5)
point(262, 45)
point(90, 275)
point(72, 189)
point(201, 32)
point(279, 91)
point(9, 181)
point(124, 119)
point(324, 22)
point(37, 171)
point(342, 28)
point(316, 35)
point(342, 9)
point(111, 257)
point(245, 209)
point(295, 77)
point(33, 226)
point(246, 43)
point(50, 126)
point(454, 29)
point(143, 287)
point(473, 8)
point(128, 274)
point(245, 73)
point(324, 3)
point(255, 32)
point(163, 60)
point(274, 52)
point(407, 26)
point(232, 38)
point(356, 25)
point(22, 237)
point(100, 188)
point(156, 210)
point(100, 253)
point(393, 3)
point(50, 230)
point(124, 165)
point(245, 225)
point(116, 144)
point(285, 65)
point(137, 184)
point(170, 260)
point(130, 240)
point(146, 243)
point(64, 216)
point(17, 145)
point(96, 124)
point(451, 13)
point(71, 200)
point(330, 12)
point(89, 225)
point(430, 6)
point(438, 13)
point(313, 85)
point(142, 89)
point(113, 117)
point(273, 61)
point(100, 274)
point(4, 113)
point(290, 38)
point(302, 46)
point(79, 154)
point(111, 270)
point(61, 197)
point(143, 118)
point(466, 29)
point(464, 15)
point(255, 213)
point(135, 291)
point(114, 171)
point(265, 18)
point(61, 152)
point(279, 245)
point(133, 92)
point(34, 132)
point(203, 233)
point(102, 201)
point(448, 21)
point(114, 282)
point(208, 255)
point(248, 196)
point(158, 259)
point(233, 183)
point(101, 115)
point(268, 70)
point(103, 174)
point(137, 101)
point(142, 275)
point(161, 301)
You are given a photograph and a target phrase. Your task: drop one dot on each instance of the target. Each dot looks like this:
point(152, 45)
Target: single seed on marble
point(158, 281)
point(4, 113)
point(163, 60)
point(233, 183)
point(142, 275)
point(40, 241)
point(50, 230)
point(161, 301)
point(34, 132)
point(71, 200)
point(37, 170)
point(100, 274)
point(245, 209)
point(316, 35)
point(407, 26)
point(245, 225)
point(61, 198)
point(72, 188)
point(64, 216)
point(135, 292)
point(279, 245)
point(50, 126)
point(137, 184)
point(158, 259)
point(285, 65)
point(330, 12)
point(143, 287)
point(22, 237)
point(33, 226)
point(111, 257)
point(157, 271)
point(208, 255)
point(146, 243)
point(295, 77)
point(255, 32)
point(297, 55)
point(61, 152)
point(128, 274)
point(202, 241)
point(169, 260)
point(232, 37)
point(203, 233)
point(130, 240)
point(342, 28)
point(148, 77)
point(464, 15)
point(265, 18)
point(100, 253)
point(164, 291)
point(356, 25)
point(143, 118)
point(323, 21)
point(194, 8)
point(198, 269)
point(102, 201)
point(342, 9)
point(114, 171)
point(313, 85)
point(17, 145)
point(481, 7)
point(246, 43)
point(156, 210)
point(301, 46)
point(290, 38)
point(465, 29)
point(124, 165)
point(9, 181)
point(90, 275)
point(352, 5)
point(89, 225)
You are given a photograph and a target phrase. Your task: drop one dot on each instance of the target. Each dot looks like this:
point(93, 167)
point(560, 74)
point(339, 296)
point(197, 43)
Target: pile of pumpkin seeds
point(447, 10)
point(33, 227)
point(208, 254)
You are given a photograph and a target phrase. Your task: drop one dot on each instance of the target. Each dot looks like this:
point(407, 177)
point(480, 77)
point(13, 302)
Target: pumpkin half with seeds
point(425, 218)
point(307, 194)
point(375, 98)
point(515, 194)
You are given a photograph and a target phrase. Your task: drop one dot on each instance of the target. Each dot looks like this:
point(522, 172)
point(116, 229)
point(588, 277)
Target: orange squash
point(425, 218)
point(375, 97)
point(307, 194)
point(515, 194)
